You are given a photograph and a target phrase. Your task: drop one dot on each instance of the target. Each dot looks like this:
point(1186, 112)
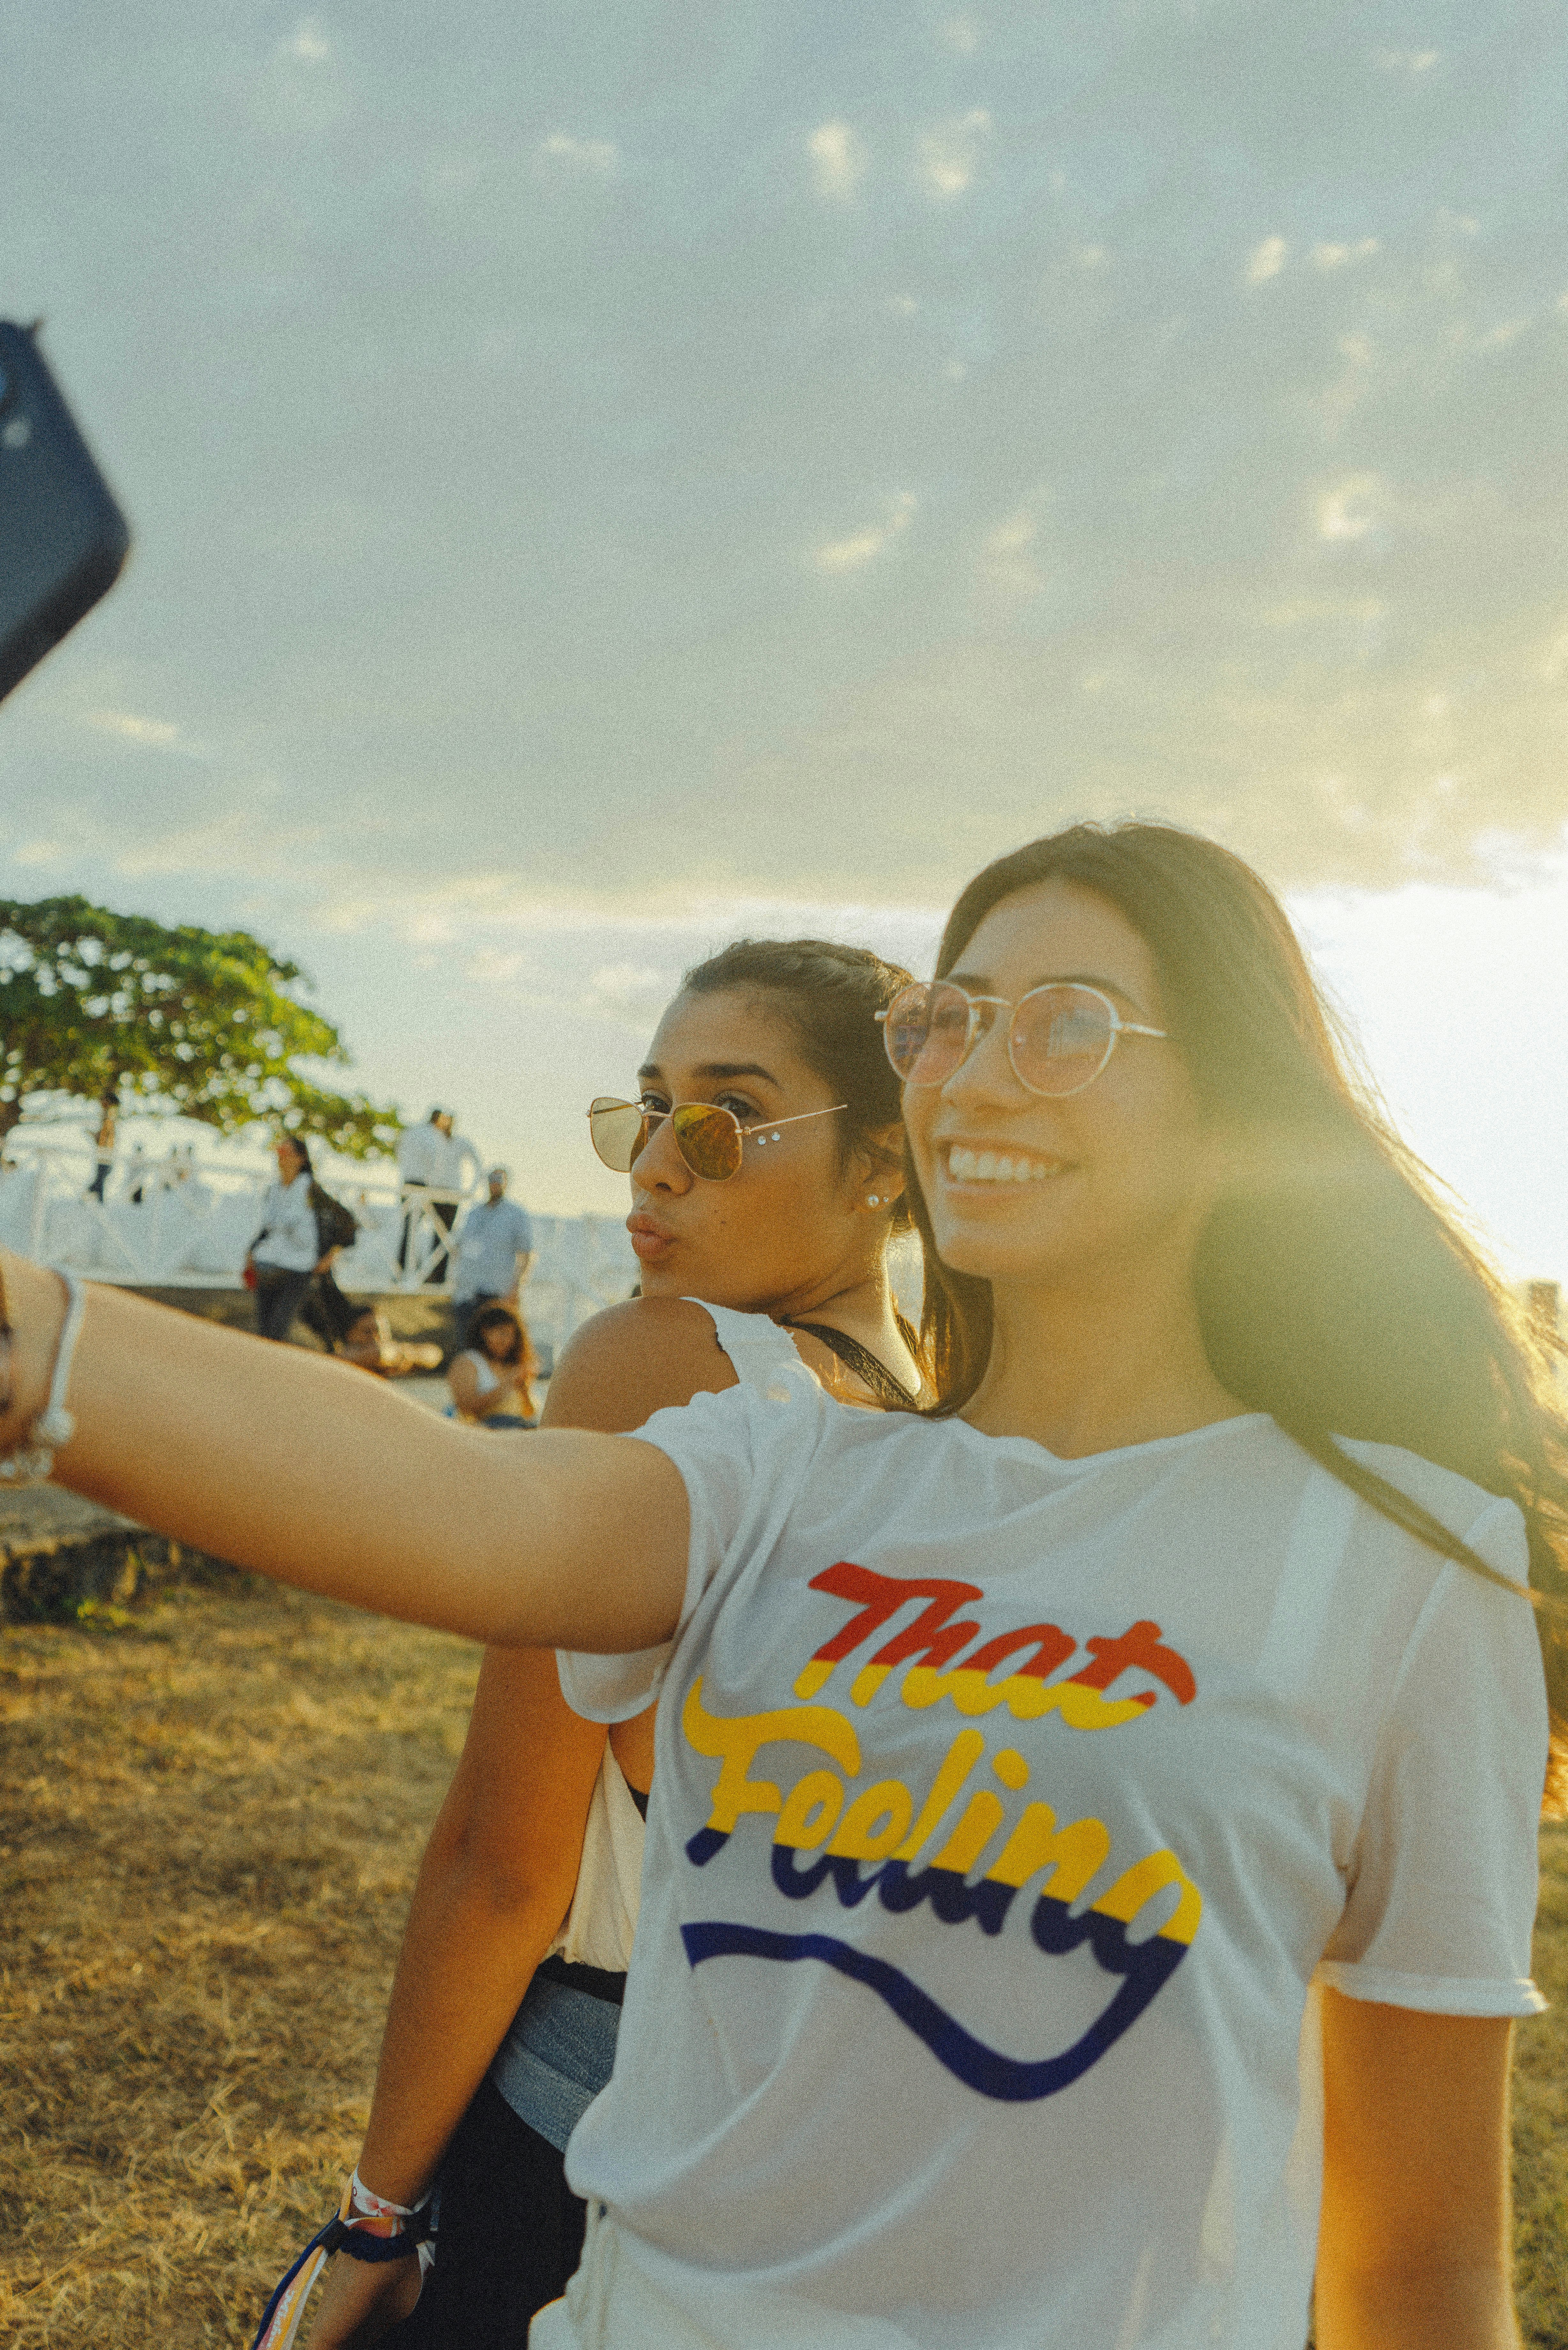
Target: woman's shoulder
point(632, 1360)
point(1492, 1525)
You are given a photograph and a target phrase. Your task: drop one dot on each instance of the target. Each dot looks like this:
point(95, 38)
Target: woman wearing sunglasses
point(1091, 1860)
point(764, 1151)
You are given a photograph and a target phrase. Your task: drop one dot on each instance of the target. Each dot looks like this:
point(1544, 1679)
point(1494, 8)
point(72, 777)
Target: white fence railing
point(180, 1223)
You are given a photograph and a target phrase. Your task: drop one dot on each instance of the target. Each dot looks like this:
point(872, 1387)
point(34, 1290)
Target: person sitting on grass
point(491, 1380)
point(368, 1341)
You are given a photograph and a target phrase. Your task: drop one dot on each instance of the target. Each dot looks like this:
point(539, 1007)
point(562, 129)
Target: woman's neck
point(1088, 1368)
point(859, 1303)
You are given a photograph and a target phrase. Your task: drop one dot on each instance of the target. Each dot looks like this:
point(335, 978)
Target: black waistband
point(599, 1982)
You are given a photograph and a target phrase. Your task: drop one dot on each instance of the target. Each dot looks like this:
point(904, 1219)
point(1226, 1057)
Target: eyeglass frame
point(1118, 1028)
point(765, 1131)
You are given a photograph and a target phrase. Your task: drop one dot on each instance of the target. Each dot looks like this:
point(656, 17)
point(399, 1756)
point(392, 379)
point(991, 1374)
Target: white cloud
point(950, 155)
point(1009, 561)
point(1498, 338)
point(1091, 256)
point(1339, 257)
point(1266, 260)
point(961, 33)
point(1351, 511)
point(630, 988)
point(904, 306)
point(39, 852)
point(838, 160)
point(154, 733)
point(308, 44)
point(564, 152)
point(492, 968)
point(1407, 61)
point(863, 546)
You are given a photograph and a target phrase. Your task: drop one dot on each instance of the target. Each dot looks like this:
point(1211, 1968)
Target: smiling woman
point(1090, 1861)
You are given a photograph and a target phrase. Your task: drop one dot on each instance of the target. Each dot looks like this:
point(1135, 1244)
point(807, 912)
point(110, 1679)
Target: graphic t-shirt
point(1004, 1809)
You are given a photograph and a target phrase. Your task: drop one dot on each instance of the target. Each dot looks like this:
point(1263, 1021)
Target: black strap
point(865, 1365)
point(599, 1982)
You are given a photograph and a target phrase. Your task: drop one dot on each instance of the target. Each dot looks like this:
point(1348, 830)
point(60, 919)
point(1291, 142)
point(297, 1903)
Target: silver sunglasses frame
point(1118, 1028)
point(767, 1131)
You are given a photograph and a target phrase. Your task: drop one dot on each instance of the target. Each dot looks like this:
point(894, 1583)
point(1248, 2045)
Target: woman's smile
point(972, 1164)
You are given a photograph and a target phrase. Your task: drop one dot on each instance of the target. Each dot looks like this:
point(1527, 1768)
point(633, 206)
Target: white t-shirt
point(289, 1237)
point(1004, 1809)
point(600, 1925)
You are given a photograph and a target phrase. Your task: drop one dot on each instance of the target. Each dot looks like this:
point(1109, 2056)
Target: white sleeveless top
point(602, 1919)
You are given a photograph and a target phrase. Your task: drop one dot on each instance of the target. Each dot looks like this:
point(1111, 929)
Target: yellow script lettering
point(1069, 1855)
point(736, 1740)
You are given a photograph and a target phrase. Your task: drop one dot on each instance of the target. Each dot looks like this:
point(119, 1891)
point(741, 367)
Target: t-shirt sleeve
point(741, 1456)
point(1443, 1888)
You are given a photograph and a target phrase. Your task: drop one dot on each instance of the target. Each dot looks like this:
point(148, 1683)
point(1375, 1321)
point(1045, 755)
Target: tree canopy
point(207, 1023)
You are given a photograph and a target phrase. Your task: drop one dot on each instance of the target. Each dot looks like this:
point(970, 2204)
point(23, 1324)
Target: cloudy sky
point(606, 478)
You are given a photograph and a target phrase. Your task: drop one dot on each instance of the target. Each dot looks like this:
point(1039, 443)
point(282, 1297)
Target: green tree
point(207, 1023)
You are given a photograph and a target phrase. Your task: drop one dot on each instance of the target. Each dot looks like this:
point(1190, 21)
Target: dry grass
point(212, 1818)
point(211, 1815)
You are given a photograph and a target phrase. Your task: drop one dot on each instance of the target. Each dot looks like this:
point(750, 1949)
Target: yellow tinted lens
point(708, 1139)
point(617, 1129)
point(1060, 1040)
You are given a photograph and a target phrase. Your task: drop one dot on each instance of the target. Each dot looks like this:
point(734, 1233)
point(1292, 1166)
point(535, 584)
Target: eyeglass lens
point(1060, 1037)
point(706, 1138)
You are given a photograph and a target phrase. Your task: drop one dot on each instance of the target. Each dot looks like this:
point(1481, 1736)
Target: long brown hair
point(1336, 1288)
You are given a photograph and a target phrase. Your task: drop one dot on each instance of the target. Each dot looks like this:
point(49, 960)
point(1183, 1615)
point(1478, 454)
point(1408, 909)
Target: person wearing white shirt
point(432, 1158)
point(286, 1250)
point(421, 1151)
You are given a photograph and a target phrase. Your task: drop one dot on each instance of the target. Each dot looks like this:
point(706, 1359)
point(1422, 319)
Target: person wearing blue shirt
point(495, 1250)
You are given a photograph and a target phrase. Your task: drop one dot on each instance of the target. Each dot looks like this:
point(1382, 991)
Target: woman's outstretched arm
point(271, 1457)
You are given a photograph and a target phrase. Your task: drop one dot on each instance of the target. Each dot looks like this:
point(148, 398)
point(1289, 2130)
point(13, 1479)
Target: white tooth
point(985, 1167)
point(1004, 1168)
point(1023, 1171)
point(959, 1163)
point(1037, 1173)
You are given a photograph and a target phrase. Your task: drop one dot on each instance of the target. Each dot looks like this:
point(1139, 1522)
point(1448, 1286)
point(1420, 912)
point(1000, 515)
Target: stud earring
point(873, 1200)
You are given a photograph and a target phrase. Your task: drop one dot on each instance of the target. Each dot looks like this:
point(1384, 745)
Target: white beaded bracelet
point(31, 1461)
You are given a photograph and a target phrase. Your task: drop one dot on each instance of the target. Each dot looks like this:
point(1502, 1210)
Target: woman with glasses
point(764, 1151)
point(1091, 1860)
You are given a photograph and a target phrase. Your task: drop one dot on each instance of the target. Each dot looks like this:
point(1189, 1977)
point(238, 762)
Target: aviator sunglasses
point(1059, 1037)
point(709, 1138)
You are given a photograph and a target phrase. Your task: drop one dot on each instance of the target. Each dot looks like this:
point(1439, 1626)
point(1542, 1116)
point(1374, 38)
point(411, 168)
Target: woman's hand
point(35, 1309)
point(360, 2301)
point(1414, 2247)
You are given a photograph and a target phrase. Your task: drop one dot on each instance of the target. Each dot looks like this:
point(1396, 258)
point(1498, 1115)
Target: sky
point(605, 480)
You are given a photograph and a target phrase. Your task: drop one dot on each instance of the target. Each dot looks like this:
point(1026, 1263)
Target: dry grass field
point(211, 1812)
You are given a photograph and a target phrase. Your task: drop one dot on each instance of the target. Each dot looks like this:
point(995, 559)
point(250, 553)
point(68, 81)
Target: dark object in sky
point(62, 538)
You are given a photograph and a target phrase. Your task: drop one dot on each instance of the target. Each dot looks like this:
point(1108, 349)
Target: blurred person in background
point(286, 1250)
point(103, 1147)
point(495, 1251)
point(435, 1157)
point(367, 1342)
point(492, 1379)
